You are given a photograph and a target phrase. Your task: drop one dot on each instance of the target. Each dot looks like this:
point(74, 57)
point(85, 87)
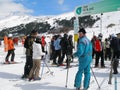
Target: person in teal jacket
point(84, 54)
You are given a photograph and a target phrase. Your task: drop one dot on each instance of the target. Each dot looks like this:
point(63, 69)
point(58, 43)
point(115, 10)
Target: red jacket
point(98, 45)
point(43, 41)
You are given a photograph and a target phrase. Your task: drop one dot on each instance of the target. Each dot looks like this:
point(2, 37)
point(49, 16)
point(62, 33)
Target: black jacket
point(115, 44)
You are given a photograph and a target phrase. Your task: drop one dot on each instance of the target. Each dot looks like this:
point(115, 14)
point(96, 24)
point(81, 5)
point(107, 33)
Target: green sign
point(98, 7)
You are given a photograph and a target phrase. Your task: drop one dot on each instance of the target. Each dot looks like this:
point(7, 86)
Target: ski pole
point(115, 82)
point(95, 77)
point(68, 62)
point(42, 70)
point(44, 60)
point(110, 74)
point(67, 77)
point(48, 68)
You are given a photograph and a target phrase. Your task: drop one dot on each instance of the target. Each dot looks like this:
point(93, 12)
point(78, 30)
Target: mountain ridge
point(17, 20)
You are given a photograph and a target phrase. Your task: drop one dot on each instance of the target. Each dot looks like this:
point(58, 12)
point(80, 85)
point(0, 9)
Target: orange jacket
point(5, 43)
point(10, 44)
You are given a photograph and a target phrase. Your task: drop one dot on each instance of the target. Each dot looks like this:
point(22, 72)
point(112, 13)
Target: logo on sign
point(79, 10)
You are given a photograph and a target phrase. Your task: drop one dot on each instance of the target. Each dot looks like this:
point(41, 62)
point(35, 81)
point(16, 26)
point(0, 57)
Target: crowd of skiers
point(107, 50)
point(61, 47)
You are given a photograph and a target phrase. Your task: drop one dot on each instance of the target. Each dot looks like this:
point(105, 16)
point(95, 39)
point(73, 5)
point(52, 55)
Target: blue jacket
point(84, 50)
point(57, 44)
point(84, 54)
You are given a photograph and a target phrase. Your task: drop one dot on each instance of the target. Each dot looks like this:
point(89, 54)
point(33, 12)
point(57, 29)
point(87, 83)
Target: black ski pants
point(12, 53)
point(57, 54)
point(115, 61)
point(98, 56)
point(28, 65)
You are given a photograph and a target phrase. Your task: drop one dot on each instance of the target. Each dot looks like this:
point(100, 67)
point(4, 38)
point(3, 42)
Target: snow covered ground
point(10, 75)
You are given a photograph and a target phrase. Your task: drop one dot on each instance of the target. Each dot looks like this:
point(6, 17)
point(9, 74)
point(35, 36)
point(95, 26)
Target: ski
point(19, 79)
point(11, 63)
point(14, 80)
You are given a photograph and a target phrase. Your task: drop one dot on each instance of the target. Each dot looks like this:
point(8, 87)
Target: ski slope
point(10, 75)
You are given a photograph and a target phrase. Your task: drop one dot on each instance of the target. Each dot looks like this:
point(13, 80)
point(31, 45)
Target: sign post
point(98, 7)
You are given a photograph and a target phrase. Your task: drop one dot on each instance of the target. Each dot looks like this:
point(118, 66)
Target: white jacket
point(37, 51)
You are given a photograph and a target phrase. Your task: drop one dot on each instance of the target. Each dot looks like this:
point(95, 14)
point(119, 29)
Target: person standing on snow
point(64, 48)
point(43, 43)
point(107, 49)
point(115, 45)
point(99, 50)
point(52, 48)
point(57, 53)
point(37, 55)
point(10, 50)
point(84, 54)
point(69, 51)
point(93, 45)
point(29, 51)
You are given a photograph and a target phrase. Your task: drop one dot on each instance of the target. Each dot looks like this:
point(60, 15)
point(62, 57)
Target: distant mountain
point(60, 23)
point(13, 21)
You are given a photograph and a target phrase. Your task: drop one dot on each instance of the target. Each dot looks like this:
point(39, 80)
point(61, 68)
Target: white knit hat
point(10, 35)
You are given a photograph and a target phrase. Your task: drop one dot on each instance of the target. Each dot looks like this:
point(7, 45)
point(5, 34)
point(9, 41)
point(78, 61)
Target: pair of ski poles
point(92, 73)
point(44, 63)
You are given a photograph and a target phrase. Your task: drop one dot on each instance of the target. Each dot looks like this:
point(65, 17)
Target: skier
point(37, 54)
point(52, 48)
point(107, 49)
point(93, 41)
point(29, 51)
point(115, 45)
point(84, 54)
point(69, 51)
point(64, 44)
point(57, 50)
point(43, 43)
point(99, 51)
point(10, 50)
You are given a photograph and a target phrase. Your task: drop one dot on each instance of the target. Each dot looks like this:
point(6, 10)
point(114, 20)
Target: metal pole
point(42, 69)
point(76, 29)
point(48, 68)
point(110, 74)
point(44, 63)
point(95, 78)
point(68, 63)
point(101, 23)
point(115, 82)
point(67, 77)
